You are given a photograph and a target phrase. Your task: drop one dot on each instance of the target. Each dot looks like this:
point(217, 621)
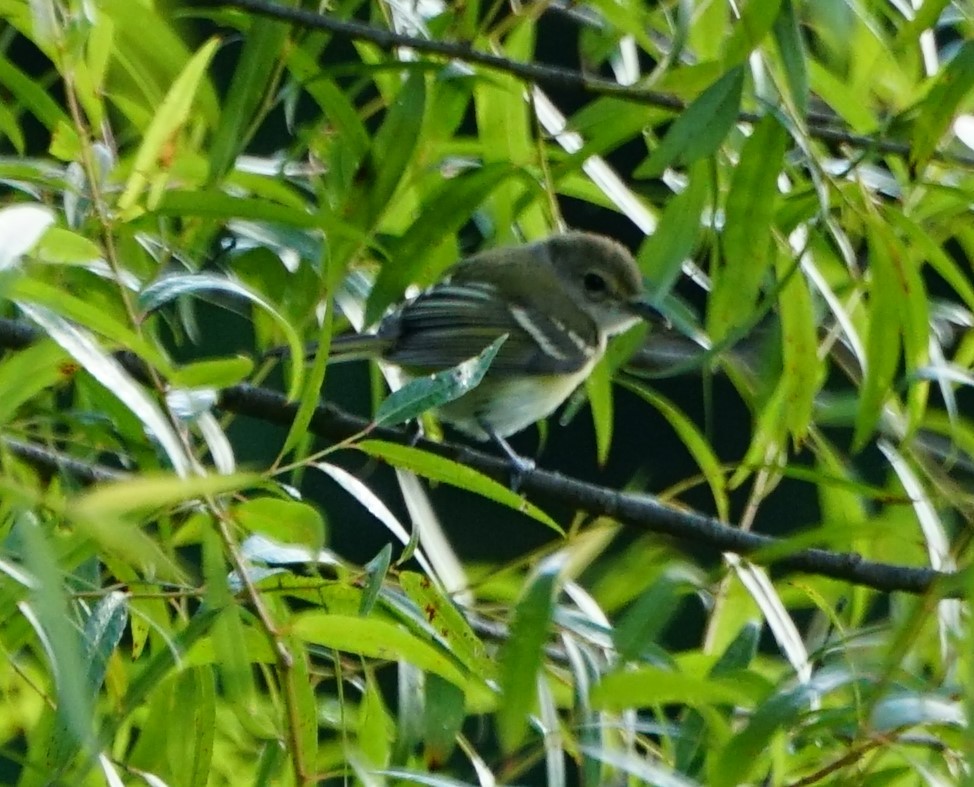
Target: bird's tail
point(345, 347)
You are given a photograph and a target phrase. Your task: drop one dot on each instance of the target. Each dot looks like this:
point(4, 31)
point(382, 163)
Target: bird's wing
point(452, 322)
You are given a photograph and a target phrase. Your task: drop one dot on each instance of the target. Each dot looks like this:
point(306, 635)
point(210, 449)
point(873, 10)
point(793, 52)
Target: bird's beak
point(644, 310)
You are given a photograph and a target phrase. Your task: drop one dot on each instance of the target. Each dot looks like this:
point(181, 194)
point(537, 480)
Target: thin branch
point(820, 126)
point(52, 461)
point(641, 511)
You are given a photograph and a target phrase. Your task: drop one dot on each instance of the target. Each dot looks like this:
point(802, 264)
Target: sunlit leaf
point(170, 116)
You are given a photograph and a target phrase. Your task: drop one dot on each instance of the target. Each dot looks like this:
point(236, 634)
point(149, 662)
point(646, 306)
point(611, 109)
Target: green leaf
point(937, 111)
point(305, 704)
point(72, 728)
point(287, 521)
point(180, 285)
point(191, 727)
point(228, 635)
point(802, 371)
point(748, 749)
point(338, 111)
point(178, 729)
point(700, 128)
point(425, 393)
point(694, 441)
point(506, 132)
point(24, 374)
point(522, 654)
point(102, 632)
point(63, 246)
point(214, 204)
point(263, 47)
point(747, 237)
point(443, 719)
point(437, 468)
point(164, 660)
point(31, 94)
point(394, 145)
point(216, 373)
point(648, 686)
point(448, 622)
point(920, 241)
point(598, 390)
point(738, 656)
point(375, 727)
point(376, 571)
point(791, 46)
point(171, 115)
point(374, 638)
point(310, 394)
point(885, 338)
point(148, 492)
point(673, 241)
point(645, 619)
point(755, 22)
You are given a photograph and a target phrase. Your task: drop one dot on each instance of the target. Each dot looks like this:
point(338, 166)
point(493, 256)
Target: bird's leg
point(416, 432)
point(520, 466)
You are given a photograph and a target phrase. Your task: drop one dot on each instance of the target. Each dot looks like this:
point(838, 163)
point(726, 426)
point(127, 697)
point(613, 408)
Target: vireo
point(558, 300)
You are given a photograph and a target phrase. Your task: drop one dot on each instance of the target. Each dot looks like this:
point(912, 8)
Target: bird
point(557, 301)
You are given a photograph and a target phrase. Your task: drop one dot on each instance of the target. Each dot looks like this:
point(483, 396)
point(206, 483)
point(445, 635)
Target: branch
point(820, 126)
point(51, 462)
point(641, 511)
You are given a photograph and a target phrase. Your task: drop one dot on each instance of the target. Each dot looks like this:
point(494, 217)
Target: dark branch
point(820, 126)
point(635, 510)
point(641, 511)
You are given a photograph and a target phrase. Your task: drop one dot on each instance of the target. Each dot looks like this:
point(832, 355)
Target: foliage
point(182, 620)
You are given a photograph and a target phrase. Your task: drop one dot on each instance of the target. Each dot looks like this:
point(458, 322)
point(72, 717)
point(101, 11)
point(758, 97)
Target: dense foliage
point(185, 186)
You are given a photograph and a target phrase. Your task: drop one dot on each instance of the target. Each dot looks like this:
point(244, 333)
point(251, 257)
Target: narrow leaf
point(171, 115)
point(937, 111)
point(257, 65)
point(885, 338)
point(426, 393)
point(662, 256)
point(437, 468)
point(747, 241)
point(374, 638)
point(522, 656)
point(700, 128)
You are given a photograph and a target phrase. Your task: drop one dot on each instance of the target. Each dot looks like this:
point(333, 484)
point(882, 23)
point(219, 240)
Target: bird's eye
point(595, 283)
